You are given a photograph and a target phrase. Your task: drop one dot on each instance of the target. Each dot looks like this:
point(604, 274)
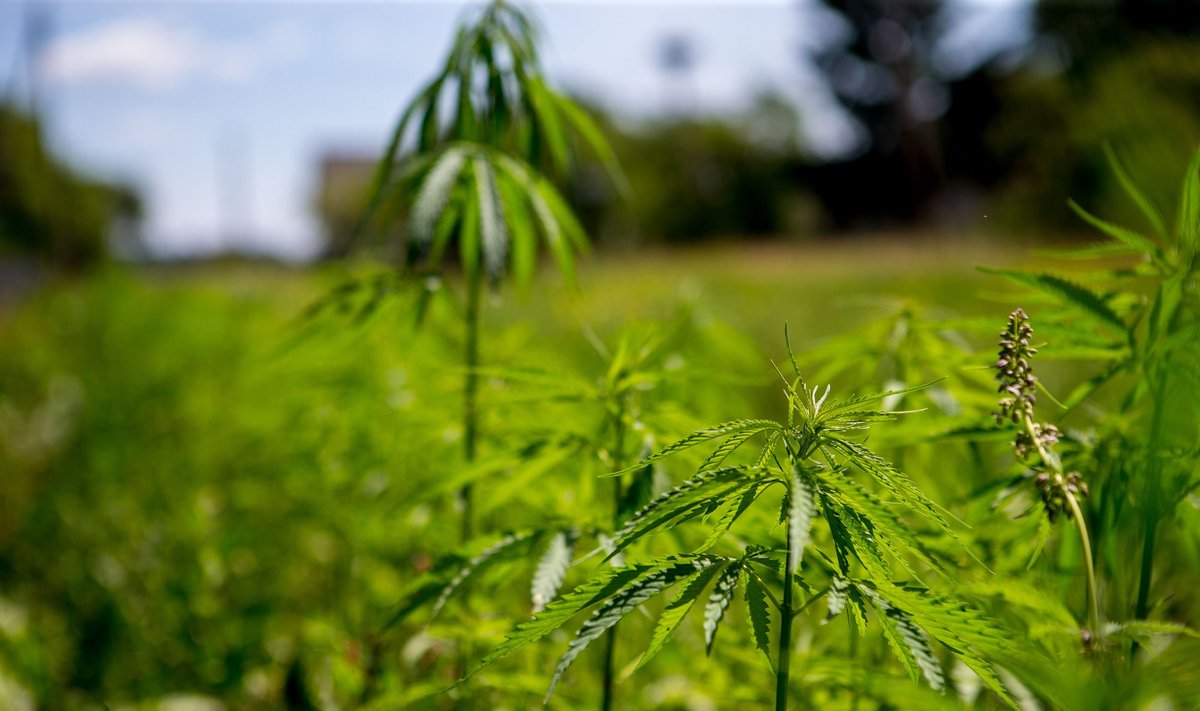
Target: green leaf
point(495, 237)
point(802, 507)
point(469, 238)
point(638, 493)
point(1131, 189)
point(836, 598)
point(506, 548)
point(1069, 294)
point(759, 615)
point(520, 227)
point(622, 603)
point(387, 162)
point(1187, 225)
point(897, 483)
point(718, 602)
point(435, 193)
point(699, 490)
point(886, 526)
point(1142, 630)
point(1133, 240)
point(552, 568)
point(740, 502)
point(966, 632)
point(547, 118)
point(724, 430)
point(594, 137)
point(673, 615)
point(726, 448)
point(561, 609)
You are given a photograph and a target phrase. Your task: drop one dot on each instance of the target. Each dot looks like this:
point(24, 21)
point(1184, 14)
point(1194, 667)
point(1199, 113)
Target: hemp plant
point(1059, 490)
point(601, 422)
point(814, 460)
point(467, 158)
point(1130, 310)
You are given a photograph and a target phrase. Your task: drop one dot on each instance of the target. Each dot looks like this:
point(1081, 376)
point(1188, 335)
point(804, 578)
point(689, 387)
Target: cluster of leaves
point(488, 131)
point(825, 478)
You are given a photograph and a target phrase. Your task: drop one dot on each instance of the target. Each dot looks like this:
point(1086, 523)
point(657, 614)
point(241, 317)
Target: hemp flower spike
point(1019, 387)
point(1015, 375)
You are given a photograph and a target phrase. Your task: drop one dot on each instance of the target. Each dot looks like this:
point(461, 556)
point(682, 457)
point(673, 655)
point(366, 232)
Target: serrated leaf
point(897, 483)
point(552, 568)
point(886, 526)
point(620, 604)
point(836, 598)
point(802, 507)
point(502, 549)
point(1070, 294)
point(561, 609)
point(718, 602)
point(726, 448)
point(1133, 240)
point(491, 219)
point(724, 430)
point(677, 609)
point(908, 641)
point(966, 632)
point(435, 193)
point(759, 615)
point(740, 502)
point(699, 490)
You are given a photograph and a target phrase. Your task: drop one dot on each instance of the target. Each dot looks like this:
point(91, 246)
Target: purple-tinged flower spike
point(1014, 373)
point(1018, 385)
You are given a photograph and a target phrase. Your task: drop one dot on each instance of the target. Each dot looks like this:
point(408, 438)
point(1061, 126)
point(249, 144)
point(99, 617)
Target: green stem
point(1149, 499)
point(1085, 542)
point(785, 644)
point(1055, 467)
point(618, 461)
point(470, 395)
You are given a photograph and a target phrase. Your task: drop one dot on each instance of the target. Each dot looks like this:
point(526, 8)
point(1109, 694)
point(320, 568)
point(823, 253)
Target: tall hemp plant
point(471, 158)
point(825, 474)
point(1132, 311)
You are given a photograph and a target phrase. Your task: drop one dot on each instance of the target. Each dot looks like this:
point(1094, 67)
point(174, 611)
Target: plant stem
point(1150, 501)
point(618, 461)
point(1085, 542)
point(785, 644)
point(1055, 467)
point(470, 395)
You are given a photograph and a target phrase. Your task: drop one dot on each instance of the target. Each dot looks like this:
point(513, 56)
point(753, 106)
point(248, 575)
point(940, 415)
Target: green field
point(208, 495)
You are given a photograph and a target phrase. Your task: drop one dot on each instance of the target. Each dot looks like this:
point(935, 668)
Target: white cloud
point(152, 54)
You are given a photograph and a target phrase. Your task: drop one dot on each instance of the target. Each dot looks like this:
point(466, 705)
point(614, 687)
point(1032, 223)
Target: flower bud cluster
point(1013, 371)
point(1055, 487)
point(1018, 387)
point(1045, 438)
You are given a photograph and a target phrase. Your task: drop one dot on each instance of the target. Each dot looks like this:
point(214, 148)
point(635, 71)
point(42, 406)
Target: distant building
point(342, 194)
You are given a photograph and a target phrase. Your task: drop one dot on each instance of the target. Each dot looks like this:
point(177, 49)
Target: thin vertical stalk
point(1150, 501)
point(470, 396)
point(618, 461)
point(1085, 543)
point(1081, 525)
point(785, 643)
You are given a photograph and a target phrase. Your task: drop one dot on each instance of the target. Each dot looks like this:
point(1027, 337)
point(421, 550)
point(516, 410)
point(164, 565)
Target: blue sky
point(176, 96)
